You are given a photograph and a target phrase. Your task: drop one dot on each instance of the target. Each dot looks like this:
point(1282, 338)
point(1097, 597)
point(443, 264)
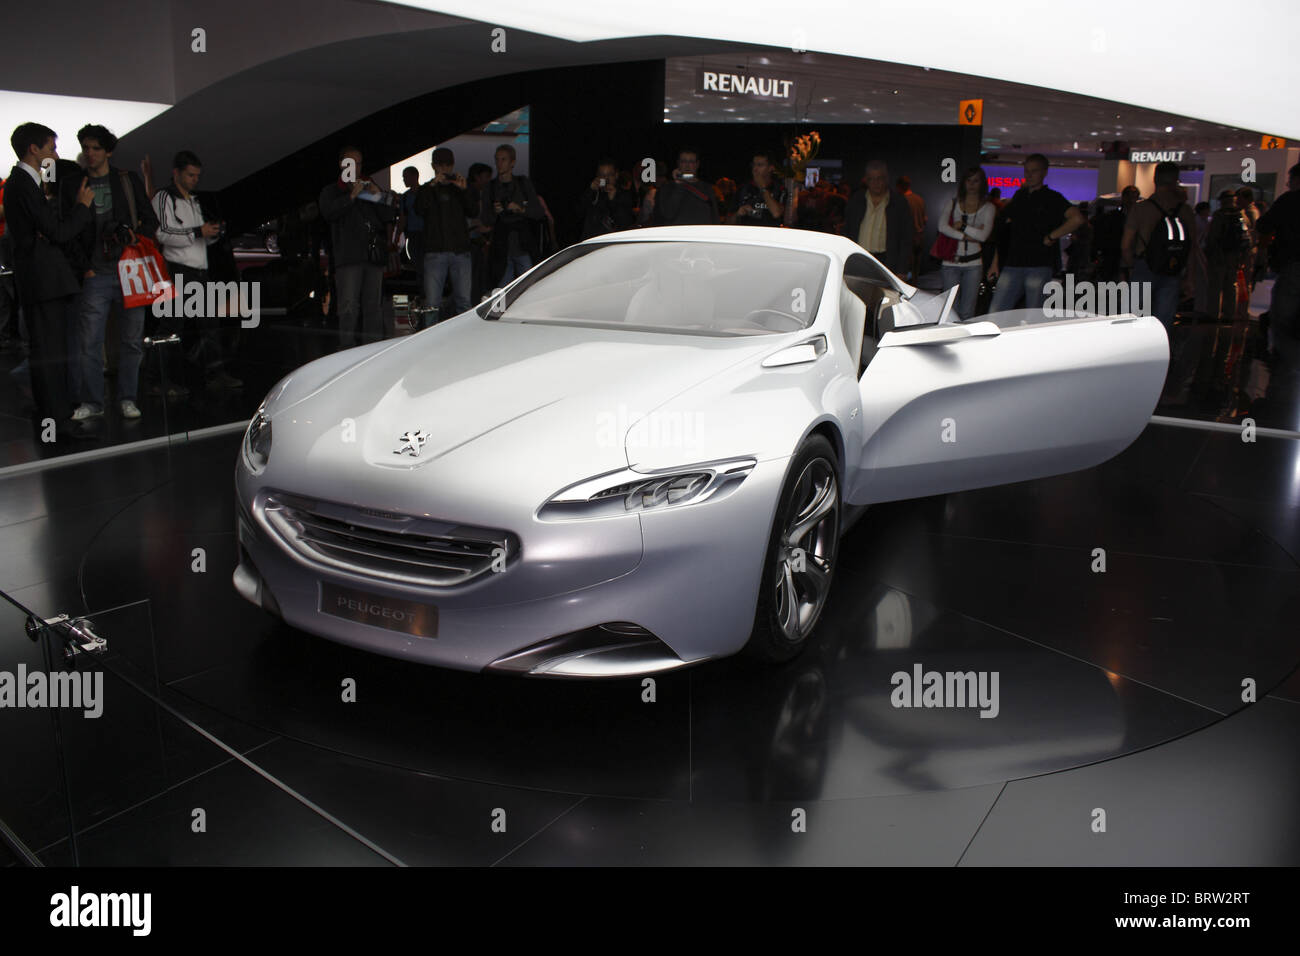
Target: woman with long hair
point(967, 218)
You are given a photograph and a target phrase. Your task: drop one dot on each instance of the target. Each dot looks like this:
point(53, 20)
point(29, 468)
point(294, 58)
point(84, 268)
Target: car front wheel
point(801, 555)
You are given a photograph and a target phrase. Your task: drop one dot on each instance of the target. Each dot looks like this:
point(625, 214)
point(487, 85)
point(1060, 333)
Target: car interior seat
point(871, 295)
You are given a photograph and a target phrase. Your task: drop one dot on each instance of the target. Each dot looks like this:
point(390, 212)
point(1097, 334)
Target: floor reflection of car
point(266, 238)
point(640, 453)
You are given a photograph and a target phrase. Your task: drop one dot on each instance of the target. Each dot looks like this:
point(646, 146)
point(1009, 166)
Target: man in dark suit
point(45, 280)
point(881, 222)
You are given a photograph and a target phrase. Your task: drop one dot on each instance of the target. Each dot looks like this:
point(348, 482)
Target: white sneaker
point(85, 411)
point(129, 409)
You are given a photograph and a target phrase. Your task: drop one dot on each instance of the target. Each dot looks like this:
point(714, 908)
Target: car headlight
point(257, 443)
point(627, 491)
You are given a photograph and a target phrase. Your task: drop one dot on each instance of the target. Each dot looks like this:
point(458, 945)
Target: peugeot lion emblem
point(412, 442)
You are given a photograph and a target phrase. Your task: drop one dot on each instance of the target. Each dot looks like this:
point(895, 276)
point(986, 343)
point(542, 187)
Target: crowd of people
point(998, 253)
point(466, 234)
point(64, 225)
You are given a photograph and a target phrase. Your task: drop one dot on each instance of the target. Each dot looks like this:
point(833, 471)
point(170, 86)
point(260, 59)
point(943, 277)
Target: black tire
point(774, 640)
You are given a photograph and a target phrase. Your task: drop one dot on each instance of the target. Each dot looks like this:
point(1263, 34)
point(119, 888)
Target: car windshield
point(700, 288)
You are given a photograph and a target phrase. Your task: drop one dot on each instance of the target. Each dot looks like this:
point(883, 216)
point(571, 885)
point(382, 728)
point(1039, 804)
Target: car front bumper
point(632, 594)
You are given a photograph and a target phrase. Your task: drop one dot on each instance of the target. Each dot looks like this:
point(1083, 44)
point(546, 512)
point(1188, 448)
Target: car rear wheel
point(801, 555)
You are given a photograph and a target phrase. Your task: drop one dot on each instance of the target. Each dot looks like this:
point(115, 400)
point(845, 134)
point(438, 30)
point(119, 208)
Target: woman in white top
point(968, 218)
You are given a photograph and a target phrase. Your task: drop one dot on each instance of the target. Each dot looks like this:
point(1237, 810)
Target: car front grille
point(386, 546)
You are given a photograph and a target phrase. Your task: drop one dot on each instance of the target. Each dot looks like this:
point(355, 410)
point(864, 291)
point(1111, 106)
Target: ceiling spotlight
point(1169, 129)
point(1076, 144)
point(895, 92)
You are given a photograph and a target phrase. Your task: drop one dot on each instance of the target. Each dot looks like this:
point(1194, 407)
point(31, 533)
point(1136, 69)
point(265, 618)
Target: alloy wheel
point(807, 551)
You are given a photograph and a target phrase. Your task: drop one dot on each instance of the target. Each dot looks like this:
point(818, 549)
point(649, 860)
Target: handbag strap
point(130, 196)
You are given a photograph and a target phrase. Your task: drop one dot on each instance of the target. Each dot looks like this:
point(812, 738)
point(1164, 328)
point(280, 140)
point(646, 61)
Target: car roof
point(839, 247)
point(758, 235)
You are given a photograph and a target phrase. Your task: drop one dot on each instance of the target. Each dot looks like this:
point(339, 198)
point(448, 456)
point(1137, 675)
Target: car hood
point(503, 408)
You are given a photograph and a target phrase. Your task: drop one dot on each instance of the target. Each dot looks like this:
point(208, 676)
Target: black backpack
point(1169, 245)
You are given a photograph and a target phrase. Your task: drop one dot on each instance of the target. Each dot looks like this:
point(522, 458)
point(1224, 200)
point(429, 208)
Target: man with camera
point(185, 236)
point(445, 205)
point(605, 208)
point(121, 213)
point(359, 214)
point(511, 210)
point(685, 199)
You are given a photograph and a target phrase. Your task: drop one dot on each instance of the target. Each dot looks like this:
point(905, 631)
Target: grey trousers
point(359, 289)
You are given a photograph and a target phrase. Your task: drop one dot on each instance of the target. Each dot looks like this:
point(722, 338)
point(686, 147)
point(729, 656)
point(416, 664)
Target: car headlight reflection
point(632, 491)
point(257, 443)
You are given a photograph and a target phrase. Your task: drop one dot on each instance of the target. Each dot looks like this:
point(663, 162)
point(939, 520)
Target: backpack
point(1169, 245)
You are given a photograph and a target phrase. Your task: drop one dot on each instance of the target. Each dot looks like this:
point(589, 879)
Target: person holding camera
point(445, 205)
point(512, 212)
point(604, 207)
point(188, 241)
point(121, 212)
point(359, 216)
point(761, 201)
point(685, 199)
point(967, 221)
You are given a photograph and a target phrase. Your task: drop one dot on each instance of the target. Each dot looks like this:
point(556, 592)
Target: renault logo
point(412, 442)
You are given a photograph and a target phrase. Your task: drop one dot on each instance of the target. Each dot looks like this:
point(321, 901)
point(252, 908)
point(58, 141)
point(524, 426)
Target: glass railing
point(101, 764)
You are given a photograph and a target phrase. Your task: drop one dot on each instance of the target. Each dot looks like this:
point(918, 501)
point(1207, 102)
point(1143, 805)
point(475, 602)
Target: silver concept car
point(642, 453)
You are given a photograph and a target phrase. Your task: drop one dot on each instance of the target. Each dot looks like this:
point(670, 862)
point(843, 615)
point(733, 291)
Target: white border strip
point(1226, 427)
point(80, 457)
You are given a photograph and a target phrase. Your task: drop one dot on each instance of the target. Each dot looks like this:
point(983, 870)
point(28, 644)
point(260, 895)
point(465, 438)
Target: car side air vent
point(799, 354)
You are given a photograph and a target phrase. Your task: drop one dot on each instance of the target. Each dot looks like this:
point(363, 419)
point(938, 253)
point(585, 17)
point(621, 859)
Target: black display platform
point(1119, 690)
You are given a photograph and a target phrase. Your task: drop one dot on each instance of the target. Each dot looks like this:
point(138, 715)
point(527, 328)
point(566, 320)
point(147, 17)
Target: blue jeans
point(99, 294)
point(967, 278)
point(516, 266)
point(1164, 293)
point(437, 266)
point(1014, 281)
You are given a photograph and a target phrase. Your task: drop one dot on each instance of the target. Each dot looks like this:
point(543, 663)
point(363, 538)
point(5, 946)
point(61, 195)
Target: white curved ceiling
point(1170, 57)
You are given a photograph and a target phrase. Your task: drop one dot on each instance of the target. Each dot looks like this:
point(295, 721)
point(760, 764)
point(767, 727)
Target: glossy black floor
point(1119, 690)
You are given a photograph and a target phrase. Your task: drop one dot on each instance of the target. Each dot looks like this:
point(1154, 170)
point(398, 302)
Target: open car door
point(951, 407)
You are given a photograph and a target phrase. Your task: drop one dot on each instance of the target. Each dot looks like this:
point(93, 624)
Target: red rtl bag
point(140, 269)
point(143, 275)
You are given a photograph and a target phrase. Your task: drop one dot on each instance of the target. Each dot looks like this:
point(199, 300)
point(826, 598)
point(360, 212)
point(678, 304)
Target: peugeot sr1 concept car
point(642, 453)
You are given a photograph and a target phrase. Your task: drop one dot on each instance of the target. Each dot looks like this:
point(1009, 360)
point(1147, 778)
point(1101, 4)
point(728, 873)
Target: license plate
point(395, 614)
